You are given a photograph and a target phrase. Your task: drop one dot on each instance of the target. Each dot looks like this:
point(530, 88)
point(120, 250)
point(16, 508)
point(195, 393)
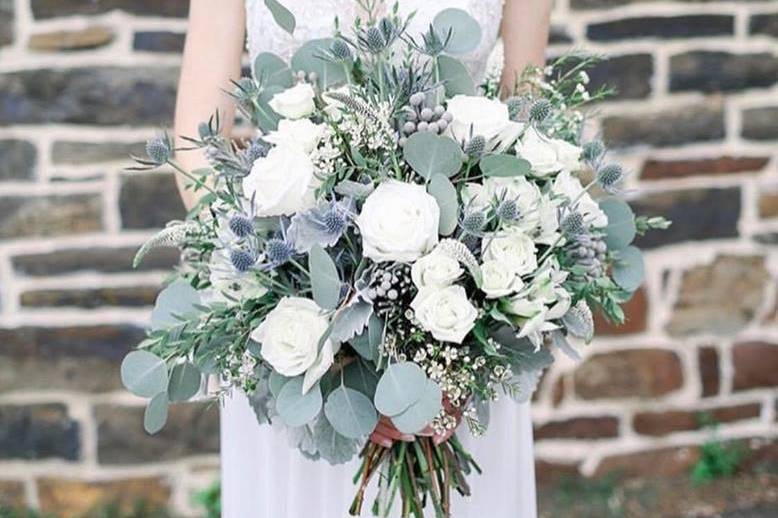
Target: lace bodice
point(316, 18)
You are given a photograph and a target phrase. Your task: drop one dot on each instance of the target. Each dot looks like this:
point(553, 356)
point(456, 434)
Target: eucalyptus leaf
point(629, 269)
point(351, 321)
point(621, 229)
point(352, 189)
point(445, 194)
point(277, 382)
point(296, 408)
point(350, 412)
point(267, 118)
point(310, 58)
point(184, 383)
point(504, 166)
point(176, 301)
point(375, 334)
point(455, 76)
point(144, 374)
point(271, 70)
point(401, 385)
point(261, 399)
point(465, 30)
point(361, 344)
point(332, 446)
point(523, 384)
point(579, 321)
point(325, 281)
point(522, 354)
point(155, 416)
point(283, 17)
point(429, 154)
point(416, 417)
point(361, 376)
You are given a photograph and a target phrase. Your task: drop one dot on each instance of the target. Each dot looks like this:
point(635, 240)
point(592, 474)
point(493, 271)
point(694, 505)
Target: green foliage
point(717, 459)
point(504, 166)
point(455, 76)
point(325, 281)
point(417, 416)
point(621, 223)
point(210, 500)
point(144, 374)
point(429, 154)
point(629, 269)
point(283, 17)
point(296, 408)
point(400, 386)
point(445, 194)
point(155, 416)
point(350, 413)
point(462, 30)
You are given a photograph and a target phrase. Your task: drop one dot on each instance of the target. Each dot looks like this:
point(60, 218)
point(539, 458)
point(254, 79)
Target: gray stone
point(149, 200)
point(32, 432)
point(672, 127)
point(99, 259)
point(764, 24)
point(18, 159)
point(158, 41)
point(191, 429)
point(27, 216)
point(100, 96)
point(760, 123)
point(54, 8)
point(713, 71)
point(697, 214)
point(80, 153)
point(6, 22)
point(663, 27)
point(91, 298)
point(65, 358)
point(720, 298)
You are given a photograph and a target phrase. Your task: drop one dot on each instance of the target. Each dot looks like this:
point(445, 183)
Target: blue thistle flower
point(341, 51)
point(474, 222)
point(573, 224)
point(476, 147)
point(241, 226)
point(242, 260)
point(609, 177)
point(278, 251)
point(158, 150)
point(540, 110)
point(593, 151)
point(508, 210)
point(322, 225)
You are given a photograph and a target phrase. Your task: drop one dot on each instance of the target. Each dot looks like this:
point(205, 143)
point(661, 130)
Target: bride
point(263, 477)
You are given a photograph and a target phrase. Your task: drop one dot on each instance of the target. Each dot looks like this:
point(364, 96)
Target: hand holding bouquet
point(393, 250)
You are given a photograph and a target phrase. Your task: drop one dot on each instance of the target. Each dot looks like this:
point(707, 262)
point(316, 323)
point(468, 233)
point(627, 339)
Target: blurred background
point(673, 414)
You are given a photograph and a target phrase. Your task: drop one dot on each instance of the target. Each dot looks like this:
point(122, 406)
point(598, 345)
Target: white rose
point(281, 183)
point(446, 313)
point(568, 155)
point(398, 222)
point(290, 336)
point(539, 151)
point(301, 133)
point(568, 186)
point(499, 280)
point(514, 248)
point(435, 270)
point(295, 102)
point(474, 115)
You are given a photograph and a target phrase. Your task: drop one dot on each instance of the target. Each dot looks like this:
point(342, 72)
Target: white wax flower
point(290, 336)
point(499, 280)
point(489, 118)
point(300, 133)
point(435, 270)
point(514, 248)
point(447, 313)
point(398, 222)
point(295, 102)
point(281, 183)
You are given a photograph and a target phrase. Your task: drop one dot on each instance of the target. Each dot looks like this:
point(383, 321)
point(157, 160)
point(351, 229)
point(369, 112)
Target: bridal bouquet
point(394, 249)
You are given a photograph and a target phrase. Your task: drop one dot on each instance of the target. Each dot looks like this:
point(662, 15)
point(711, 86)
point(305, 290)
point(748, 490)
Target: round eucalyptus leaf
point(429, 154)
point(178, 299)
point(504, 166)
point(629, 269)
point(309, 58)
point(184, 381)
point(332, 446)
point(296, 408)
point(144, 374)
point(155, 416)
point(361, 376)
point(350, 412)
point(271, 70)
point(400, 386)
point(277, 382)
point(465, 30)
point(325, 280)
point(267, 118)
point(416, 417)
point(455, 76)
point(445, 194)
point(621, 223)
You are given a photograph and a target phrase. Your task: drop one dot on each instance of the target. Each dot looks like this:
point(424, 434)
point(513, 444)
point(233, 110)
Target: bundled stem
point(422, 472)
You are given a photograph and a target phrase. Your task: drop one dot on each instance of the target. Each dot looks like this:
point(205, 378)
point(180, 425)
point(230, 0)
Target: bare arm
point(212, 55)
point(524, 30)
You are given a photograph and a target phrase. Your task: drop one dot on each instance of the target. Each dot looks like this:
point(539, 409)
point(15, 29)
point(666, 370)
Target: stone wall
point(83, 83)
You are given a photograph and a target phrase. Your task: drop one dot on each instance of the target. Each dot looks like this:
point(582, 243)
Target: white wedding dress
point(262, 476)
